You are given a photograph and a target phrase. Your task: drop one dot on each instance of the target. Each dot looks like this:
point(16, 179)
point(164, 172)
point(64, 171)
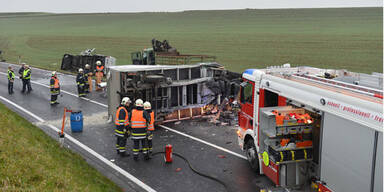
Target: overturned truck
point(73, 62)
point(175, 92)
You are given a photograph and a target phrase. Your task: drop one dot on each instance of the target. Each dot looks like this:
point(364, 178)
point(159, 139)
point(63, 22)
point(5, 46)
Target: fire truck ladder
point(342, 85)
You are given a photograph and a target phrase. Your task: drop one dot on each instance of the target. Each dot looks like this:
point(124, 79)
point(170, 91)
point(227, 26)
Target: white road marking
point(175, 131)
point(86, 148)
point(205, 142)
point(69, 93)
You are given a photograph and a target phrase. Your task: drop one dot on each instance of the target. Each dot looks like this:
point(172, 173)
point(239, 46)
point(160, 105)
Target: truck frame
point(346, 130)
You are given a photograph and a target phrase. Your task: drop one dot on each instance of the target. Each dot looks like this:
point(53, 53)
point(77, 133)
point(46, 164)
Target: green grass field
point(350, 38)
point(31, 161)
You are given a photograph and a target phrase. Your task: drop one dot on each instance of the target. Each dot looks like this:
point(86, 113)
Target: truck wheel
point(252, 156)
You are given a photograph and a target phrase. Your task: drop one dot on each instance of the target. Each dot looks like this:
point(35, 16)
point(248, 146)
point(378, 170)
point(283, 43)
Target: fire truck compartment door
point(347, 154)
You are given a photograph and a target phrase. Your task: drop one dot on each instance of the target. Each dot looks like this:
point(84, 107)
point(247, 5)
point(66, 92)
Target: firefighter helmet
point(80, 70)
point(98, 62)
point(139, 103)
point(53, 73)
point(147, 105)
point(87, 66)
point(125, 100)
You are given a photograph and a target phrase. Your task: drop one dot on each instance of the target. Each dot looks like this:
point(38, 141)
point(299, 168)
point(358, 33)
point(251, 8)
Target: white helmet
point(80, 70)
point(53, 73)
point(26, 66)
point(147, 105)
point(98, 62)
point(87, 66)
point(139, 103)
point(125, 100)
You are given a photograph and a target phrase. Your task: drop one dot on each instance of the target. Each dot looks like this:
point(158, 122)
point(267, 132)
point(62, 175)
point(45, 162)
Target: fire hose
point(195, 170)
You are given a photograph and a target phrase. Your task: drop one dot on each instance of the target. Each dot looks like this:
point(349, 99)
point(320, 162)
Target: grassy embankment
point(32, 161)
point(348, 38)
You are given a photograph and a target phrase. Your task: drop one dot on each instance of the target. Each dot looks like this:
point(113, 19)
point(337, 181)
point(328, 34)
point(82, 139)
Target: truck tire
point(252, 156)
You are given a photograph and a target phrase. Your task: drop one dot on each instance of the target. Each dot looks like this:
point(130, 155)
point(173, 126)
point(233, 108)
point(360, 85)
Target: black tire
point(252, 156)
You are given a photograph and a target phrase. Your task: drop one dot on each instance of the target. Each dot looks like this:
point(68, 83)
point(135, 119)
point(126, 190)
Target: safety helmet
point(87, 66)
point(125, 100)
point(147, 105)
point(98, 62)
point(23, 63)
point(80, 70)
point(26, 66)
point(139, 103)
point(53, 73)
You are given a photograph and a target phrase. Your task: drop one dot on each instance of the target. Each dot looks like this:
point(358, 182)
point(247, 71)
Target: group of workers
point(25, 76)
point(136, 122)
point(84, 79)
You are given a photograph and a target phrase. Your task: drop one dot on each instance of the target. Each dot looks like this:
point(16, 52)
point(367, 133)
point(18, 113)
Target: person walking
point(151, 125)
point(88, 78)
point(55, 88)
point(27, 79)
point(138, 121)
point(122, 131)
point(99, 74)
point(80, 80)
point(11, 79)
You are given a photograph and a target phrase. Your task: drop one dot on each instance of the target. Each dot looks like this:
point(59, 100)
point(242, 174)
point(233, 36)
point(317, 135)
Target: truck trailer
point(176, 92)
point(302, 125)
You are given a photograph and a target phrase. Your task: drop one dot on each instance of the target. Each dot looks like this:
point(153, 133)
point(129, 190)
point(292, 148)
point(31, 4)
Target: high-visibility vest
point(100, 68)
point(25, 73)
point(151, 126)
point(56, 85)
point(137, 119)
point(12, 76)
point(121, 121)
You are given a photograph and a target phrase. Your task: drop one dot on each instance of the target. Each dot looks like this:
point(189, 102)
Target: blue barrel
point(76, 121)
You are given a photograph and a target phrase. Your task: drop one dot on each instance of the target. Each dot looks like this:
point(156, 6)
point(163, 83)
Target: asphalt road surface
point(211, 149)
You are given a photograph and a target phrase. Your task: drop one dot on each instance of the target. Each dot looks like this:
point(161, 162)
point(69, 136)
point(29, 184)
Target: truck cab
point(297, 126)
point(145, 57)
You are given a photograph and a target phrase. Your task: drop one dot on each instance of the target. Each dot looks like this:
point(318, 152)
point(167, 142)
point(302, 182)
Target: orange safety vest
point(56, 85)
point(137, 119)
point(151, 126)
point(121, 121)
point(100, 68)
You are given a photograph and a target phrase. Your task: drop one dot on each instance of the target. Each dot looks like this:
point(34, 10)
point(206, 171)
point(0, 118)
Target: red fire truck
point(300, 125)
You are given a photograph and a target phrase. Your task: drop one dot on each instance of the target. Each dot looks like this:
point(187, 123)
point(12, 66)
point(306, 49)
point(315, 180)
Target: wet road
point(98, 136)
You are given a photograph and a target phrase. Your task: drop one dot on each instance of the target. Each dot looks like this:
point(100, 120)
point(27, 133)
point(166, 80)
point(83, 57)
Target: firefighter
point(26, 78)
point(151, 125)
point(55, 88)
point(80, 80)
point(99, 74)
point(11, 79)
point(88, 78)
point(138, 121)
point(122, 131)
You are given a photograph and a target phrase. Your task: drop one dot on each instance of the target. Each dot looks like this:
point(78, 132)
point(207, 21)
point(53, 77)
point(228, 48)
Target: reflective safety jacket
point(11, 75)
point(122, 116)
point(138, 123)
point(80, 79)
point(27, 74)
point(99, 68)
point(54, 86)
point(137, 119)
point(151, 125)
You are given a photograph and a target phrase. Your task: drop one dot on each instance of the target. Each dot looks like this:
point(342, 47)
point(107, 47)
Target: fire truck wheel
point(252, 156)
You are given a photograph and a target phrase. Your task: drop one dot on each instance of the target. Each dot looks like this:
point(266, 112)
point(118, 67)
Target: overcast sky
point(75, 6)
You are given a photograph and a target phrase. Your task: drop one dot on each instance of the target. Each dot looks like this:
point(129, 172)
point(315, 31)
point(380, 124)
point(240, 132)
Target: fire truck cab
point(301, 125)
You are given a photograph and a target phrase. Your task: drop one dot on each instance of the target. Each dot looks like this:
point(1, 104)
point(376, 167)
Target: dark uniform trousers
point(139, 137)
point(121, 138)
